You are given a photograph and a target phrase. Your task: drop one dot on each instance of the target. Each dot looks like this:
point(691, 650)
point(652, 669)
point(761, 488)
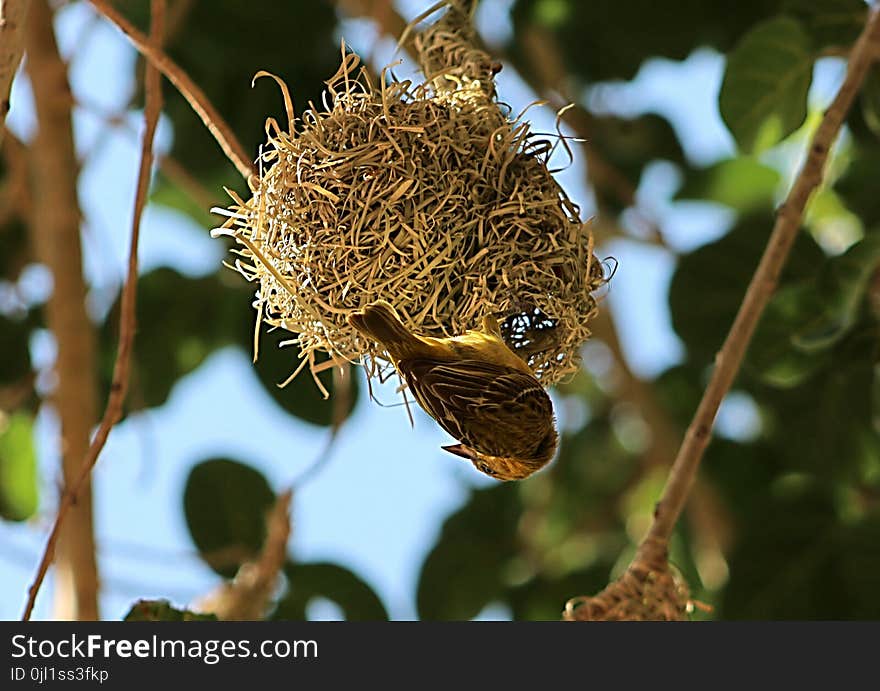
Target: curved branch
point(728, 360)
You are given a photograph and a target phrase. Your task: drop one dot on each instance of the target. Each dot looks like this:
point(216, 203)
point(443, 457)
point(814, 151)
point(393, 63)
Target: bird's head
point(508, 468)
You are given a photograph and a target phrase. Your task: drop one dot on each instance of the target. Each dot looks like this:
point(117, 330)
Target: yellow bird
point(475, 387)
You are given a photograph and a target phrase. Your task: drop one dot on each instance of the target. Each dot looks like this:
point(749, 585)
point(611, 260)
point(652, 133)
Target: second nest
point(428, 196)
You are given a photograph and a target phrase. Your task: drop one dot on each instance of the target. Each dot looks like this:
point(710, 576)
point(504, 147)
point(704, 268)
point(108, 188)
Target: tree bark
point(13, 14)
point(56, 238)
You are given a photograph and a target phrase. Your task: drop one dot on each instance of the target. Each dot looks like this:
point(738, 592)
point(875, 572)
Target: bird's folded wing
point(493, 408)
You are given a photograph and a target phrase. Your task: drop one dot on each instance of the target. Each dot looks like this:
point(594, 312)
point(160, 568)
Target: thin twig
point(727, 362)
point(119, 385)
point(215, 123)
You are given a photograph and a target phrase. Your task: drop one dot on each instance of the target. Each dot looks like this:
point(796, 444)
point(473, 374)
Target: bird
point(475, 387)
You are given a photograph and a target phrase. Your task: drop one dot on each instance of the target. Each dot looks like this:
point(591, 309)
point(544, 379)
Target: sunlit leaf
point(741, 183)
point(763, 96)
point(19, 480)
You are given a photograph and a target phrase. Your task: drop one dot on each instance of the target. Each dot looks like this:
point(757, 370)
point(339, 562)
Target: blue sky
point(378, 505)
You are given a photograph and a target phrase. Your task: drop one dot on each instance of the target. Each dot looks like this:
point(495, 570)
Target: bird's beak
point(460, 450)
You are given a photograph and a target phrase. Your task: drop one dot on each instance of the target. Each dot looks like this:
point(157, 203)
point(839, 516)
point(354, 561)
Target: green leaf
point(741, 183)
point(710, 282)
point(180, 322)
point(305, 582)
point(772, 355)
point(621, 35)
point(841, 285)
point(543, 598)
point(742, 472)
point(163, 610)
point(631, 143)
point(870, 100)
point(678, 390)
point(226, 503)
point(797, 560)
point(464, 571)
point(763, 95)
point(170, 193)
point(829, 22)
point(301, 397)
point(825, 425)
point(296, 41)
point(14, 345)
point(19, 481)
point(854, 186)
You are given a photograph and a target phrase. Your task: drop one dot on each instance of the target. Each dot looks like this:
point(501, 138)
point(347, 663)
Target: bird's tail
point(380, 322)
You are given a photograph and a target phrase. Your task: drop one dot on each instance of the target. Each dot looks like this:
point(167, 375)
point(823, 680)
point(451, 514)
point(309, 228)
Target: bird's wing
point(495, 409)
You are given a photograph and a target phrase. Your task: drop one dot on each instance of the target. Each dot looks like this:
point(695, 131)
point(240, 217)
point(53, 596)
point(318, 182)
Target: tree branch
point(727, 362)
point(56, 238)
point(249, 596)
point(79, 478)
point(215, 123)
point(13, 15)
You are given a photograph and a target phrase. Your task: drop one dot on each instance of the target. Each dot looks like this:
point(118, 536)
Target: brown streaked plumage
point(476, 388)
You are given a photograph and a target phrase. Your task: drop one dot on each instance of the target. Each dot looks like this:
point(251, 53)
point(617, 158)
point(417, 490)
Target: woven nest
point(649, 590)
point(426, 195)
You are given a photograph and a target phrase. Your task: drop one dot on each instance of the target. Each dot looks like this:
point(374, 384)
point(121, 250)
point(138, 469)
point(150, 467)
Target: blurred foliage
point(226, 504)
point(16, 361)
point(606, 40)
point(163, 610)
point(167, 303)
point(301, 397)
point(763, 97)
point(170, 303)
point(19, 491)
point(305, 582)
point(743, 184)
point(221, 45)
point(788, 519)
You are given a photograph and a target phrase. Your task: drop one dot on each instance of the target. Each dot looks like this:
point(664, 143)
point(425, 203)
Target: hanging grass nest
point(426, 195)
point(649, 590)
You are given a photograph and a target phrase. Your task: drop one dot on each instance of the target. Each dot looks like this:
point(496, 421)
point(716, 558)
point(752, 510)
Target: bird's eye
point(485, 468)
